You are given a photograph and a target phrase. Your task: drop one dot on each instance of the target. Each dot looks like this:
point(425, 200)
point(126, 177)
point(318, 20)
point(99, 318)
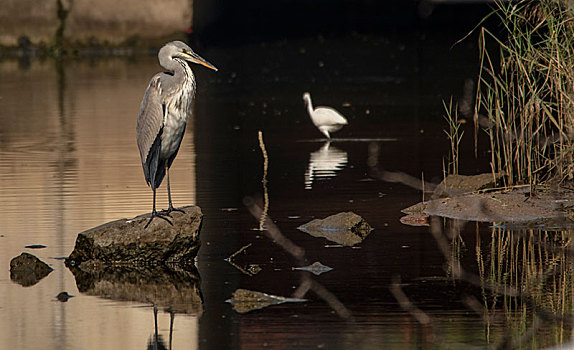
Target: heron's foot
point(156, 214)
point(170, 209)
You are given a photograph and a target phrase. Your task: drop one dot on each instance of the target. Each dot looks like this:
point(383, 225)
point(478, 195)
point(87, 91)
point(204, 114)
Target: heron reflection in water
point(324, 163)
point(326, 119)
point(164, 111)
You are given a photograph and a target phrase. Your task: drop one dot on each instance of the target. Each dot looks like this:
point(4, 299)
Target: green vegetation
point(524, 100)
point(454, 135)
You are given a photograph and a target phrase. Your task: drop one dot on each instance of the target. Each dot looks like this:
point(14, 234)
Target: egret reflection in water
point(324, 163)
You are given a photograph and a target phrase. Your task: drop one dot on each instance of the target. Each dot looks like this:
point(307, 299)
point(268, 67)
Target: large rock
point(126, 241)
point(27, 270)
point(168, 286)
point(345, 228)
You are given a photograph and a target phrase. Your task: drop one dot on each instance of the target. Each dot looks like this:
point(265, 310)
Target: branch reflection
point(308, 283)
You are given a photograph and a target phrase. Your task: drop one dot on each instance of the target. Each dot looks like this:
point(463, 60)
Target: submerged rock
point(315, 268)
point(418, 208)
point(35, 246)
point(244, 300)
point(345, 228)
point(127, 241)
point(27, 270)
point(420, 219)
point(168, 286)
point(415, 215)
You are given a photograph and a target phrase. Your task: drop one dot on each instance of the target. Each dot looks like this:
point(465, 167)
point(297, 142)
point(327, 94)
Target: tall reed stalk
point(454, 135)
point(525, 91)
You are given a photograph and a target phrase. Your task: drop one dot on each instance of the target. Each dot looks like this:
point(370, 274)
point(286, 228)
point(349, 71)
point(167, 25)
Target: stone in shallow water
point(244, 300)
point(345, 228)
point(63, 297)
point(315, 268)
point(127, 241)
point(27, 270)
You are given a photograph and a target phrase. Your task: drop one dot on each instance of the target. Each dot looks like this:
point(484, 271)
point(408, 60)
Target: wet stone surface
point(244, 300)
point(315, 268)
point(127, 241)
point(345, 228)
point(505, 206)
point(27, 270)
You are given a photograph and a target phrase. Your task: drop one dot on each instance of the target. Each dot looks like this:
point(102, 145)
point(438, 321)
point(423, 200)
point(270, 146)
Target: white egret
point(326, 119)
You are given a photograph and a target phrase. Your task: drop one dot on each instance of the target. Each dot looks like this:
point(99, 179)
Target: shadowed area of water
point(69, 162)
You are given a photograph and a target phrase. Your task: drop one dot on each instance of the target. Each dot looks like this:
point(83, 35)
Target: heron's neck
point(182, 75)
point(181, 68)
point(309, 105)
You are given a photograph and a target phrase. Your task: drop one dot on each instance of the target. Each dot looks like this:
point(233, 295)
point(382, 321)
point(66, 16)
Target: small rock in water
point(244, 300)
point(345, 228)
point(27, 270)
point(35, 246)
point(254, 269)
point(421, 219)
point(316, 268)
point(418, 208)
point(63, 296)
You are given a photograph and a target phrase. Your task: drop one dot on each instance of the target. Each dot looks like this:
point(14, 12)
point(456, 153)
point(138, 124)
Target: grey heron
point(163, 115)
point(326, 119)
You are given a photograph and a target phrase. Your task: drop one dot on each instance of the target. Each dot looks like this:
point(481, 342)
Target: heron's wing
point(327, 116)
point(150, 123)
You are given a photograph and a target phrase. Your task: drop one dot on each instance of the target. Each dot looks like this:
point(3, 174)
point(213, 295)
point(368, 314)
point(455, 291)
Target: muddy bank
point(472, 198)
point(87, 22)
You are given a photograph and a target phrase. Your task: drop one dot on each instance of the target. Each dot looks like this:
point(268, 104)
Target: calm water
point(69, 162)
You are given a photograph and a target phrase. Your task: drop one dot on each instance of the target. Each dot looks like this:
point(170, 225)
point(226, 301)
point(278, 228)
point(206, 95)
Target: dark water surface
point(69, 162)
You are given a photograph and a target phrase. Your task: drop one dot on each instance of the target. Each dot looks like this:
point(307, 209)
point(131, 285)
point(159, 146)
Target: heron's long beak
point(195, 58)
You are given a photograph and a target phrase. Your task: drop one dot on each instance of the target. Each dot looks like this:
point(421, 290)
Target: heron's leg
point(154, 214)
point(171, 319)
point(155, 324)
point(171, 208)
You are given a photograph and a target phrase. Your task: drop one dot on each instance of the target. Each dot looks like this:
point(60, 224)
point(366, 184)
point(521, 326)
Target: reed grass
point(525, 90)
point(454, 135)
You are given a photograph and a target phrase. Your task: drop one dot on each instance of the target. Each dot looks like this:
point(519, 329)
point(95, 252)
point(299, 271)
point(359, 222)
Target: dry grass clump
point(525, 91)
